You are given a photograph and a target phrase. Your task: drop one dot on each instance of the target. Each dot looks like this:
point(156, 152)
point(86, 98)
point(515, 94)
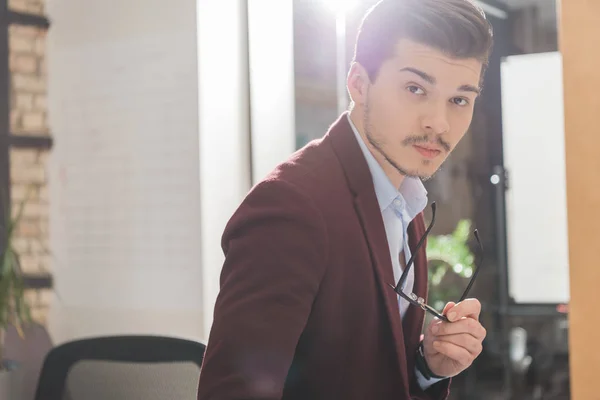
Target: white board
point(536, 211)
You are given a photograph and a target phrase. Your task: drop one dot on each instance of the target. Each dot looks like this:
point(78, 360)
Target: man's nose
point(436, 121)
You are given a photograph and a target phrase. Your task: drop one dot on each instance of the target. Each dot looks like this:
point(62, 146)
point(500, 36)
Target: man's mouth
point(427, 152)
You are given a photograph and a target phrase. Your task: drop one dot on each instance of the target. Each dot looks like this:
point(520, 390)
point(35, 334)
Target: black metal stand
point(499, 180)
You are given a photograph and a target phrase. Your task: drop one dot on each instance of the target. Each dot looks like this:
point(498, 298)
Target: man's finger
point(466, 341)
point(466, 325)
point(469, 308)
point(454, 352)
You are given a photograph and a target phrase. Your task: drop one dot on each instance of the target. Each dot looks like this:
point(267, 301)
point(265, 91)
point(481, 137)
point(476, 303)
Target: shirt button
point(398, 203)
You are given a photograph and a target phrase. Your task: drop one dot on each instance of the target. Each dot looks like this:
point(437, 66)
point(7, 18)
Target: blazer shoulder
point(273, 201)
point(298, 190)
point(314, 170)
point(278, 192)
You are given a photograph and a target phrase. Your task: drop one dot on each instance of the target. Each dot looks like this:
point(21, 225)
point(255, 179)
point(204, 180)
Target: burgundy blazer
point(305, 309)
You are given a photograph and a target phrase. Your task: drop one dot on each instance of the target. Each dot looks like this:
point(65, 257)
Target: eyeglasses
point(419, 301)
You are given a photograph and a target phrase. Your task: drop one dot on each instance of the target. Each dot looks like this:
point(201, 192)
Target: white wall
point(224, 129)
point(125, 193)
point(534, 155)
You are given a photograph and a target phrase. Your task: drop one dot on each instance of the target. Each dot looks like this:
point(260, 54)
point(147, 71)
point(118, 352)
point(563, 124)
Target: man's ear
point(358, 83)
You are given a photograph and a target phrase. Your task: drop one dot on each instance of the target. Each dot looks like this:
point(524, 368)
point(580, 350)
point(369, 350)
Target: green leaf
point(13, 307)
point(462, 231)
point(451, 252)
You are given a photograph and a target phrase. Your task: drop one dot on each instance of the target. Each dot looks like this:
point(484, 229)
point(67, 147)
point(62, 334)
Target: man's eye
point(415, 90)
point(460, 101)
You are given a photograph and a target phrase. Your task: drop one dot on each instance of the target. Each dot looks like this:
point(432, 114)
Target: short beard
point(367, 126)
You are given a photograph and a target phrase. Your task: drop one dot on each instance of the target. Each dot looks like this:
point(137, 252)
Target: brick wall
point(28, 6)
point(28, 167)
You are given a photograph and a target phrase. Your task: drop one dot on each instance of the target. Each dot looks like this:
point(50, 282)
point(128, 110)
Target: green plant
point(449, 253)
point(13, 307)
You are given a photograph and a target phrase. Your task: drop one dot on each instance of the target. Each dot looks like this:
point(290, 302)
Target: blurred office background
point(141, 125)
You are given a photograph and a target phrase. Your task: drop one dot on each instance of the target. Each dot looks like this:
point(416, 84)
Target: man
point(306, 310)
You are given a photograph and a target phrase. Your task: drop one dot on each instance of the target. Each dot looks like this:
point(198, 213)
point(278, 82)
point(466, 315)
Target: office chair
point(122, 368)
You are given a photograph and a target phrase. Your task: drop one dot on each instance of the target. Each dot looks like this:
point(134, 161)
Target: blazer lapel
point(361, 185)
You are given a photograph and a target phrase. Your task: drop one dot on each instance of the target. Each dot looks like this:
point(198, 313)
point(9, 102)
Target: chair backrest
point(122, 368)
point(29, 352)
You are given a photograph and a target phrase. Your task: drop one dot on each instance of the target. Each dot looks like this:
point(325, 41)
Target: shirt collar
point(411, 190)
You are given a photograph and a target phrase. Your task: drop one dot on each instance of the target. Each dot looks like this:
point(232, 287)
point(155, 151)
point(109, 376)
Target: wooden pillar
point(579, 27)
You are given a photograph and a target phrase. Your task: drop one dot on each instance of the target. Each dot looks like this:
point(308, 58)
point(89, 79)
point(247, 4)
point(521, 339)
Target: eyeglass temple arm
point(468, 289)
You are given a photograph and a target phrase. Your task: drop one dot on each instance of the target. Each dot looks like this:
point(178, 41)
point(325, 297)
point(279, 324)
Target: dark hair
point(457, 28)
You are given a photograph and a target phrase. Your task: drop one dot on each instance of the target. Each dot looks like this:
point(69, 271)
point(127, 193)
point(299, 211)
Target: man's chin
point(414, 168)
point(418, 175)
point(423, 174)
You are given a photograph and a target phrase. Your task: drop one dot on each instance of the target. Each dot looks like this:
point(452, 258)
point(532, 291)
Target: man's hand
point(451, 347)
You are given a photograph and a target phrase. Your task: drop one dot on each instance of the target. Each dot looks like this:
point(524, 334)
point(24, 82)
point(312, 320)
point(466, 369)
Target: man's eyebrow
point(430, 79)
point(470, 88)
point(424, 75)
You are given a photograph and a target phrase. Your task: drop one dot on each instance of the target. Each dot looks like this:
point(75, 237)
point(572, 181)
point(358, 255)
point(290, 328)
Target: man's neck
point(356, 115)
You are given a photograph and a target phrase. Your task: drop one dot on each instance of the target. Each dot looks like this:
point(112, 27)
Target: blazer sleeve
point(437, 391)
point(275, 257)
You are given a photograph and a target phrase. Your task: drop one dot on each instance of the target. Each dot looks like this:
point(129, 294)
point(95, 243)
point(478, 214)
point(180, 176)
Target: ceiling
point(545, 9)
point(516, 4)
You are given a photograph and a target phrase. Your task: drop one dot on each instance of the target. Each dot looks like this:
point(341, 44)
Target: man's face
point(418, 108)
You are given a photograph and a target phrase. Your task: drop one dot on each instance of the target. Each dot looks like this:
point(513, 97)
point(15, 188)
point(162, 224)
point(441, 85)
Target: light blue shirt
point(398, 208)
